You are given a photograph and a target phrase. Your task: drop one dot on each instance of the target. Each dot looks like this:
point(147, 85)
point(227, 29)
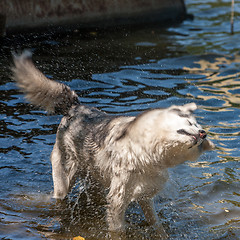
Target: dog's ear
point(186, 109)
point(190, 107)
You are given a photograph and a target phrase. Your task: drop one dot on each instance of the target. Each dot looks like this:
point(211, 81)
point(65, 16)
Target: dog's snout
point(202, 134)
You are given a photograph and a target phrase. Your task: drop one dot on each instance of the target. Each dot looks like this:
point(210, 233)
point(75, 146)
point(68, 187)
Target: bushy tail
point(50, 95)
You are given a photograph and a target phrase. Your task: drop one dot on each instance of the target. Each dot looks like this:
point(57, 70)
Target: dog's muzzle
point(197, 138)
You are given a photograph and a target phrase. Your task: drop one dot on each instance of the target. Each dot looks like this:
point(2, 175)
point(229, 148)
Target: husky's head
point(172, 132)
point(181, 121)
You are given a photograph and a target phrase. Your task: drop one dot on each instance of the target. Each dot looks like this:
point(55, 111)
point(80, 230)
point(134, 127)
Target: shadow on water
point(127, 72)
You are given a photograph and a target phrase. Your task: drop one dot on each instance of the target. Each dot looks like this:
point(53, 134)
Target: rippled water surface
point(127, 72)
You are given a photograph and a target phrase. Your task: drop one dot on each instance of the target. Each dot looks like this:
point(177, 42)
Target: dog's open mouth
point(197, 138)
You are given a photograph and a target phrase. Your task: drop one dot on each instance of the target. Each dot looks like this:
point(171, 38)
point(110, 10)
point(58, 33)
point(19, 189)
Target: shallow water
point(126, 72)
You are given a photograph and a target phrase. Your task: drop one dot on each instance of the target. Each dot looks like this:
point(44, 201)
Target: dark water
point(126, 72)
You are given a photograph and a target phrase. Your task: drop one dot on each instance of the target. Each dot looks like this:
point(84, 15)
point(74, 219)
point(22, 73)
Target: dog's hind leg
point(62, 172)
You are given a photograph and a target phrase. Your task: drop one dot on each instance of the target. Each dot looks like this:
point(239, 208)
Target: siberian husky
point(129, 156)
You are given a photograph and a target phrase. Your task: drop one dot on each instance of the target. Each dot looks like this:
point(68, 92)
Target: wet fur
point(128, 156)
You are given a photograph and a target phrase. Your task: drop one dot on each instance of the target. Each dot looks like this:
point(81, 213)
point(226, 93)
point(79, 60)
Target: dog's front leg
point(117, 203)
point(152, 218)
point(63, 172)
point(148, 211)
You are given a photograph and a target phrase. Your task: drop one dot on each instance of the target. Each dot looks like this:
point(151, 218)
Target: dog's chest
point(148, 184)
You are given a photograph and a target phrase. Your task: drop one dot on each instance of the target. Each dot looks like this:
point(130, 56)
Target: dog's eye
point(192, 124)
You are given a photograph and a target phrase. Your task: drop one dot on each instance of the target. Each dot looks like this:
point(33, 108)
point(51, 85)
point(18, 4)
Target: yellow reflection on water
point(216, 81)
